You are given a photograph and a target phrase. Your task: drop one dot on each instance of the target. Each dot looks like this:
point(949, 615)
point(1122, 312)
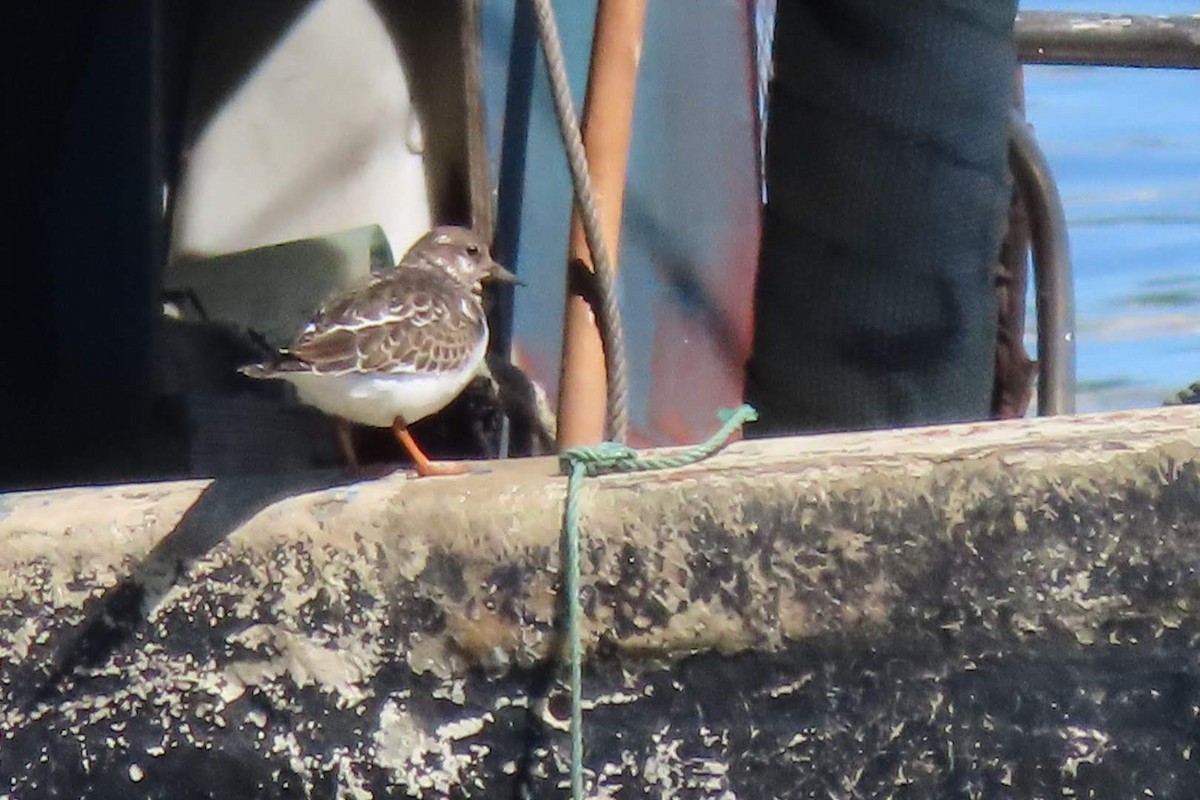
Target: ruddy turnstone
point(398, 347)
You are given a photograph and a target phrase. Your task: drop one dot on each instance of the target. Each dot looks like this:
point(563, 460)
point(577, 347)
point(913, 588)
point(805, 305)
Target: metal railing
point(1100, 40)
point(1108, 40)
point(1053, 278)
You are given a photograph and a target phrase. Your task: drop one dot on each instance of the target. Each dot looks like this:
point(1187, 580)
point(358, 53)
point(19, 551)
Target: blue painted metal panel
point(690, 227)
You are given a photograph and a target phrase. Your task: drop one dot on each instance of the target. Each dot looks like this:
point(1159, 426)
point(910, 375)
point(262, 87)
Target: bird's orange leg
point(425, 467)
point(345, 432)
point(346, 441)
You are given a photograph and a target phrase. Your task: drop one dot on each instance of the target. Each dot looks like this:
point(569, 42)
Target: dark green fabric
point(887, 195)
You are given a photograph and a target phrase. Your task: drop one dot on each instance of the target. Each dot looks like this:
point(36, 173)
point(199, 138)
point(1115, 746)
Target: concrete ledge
point(990, 610)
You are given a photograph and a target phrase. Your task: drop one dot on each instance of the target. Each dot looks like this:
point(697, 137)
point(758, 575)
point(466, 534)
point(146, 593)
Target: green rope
point(608, 457)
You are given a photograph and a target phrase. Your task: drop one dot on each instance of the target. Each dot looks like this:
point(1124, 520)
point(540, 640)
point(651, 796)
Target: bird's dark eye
point(472, 250)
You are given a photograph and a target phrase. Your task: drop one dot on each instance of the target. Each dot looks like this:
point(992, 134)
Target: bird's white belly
point(378, 399)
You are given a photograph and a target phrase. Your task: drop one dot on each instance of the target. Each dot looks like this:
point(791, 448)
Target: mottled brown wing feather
point(411, 320)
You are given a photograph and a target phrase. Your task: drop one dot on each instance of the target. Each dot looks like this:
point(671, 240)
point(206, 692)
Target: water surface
point(1125, 147)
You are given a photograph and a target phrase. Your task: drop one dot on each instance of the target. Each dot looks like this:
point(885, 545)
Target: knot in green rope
point(609, 457)
point(599, 460)
point(603, 459)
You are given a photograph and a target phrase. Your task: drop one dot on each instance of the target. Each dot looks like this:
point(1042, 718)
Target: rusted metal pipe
point(607, 130)
point(1015, 371)
point(479, 174)
point(1051, 271)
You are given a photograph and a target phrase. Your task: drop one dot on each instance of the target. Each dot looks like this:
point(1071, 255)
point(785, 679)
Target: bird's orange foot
point(431, 468)
point(425, 466)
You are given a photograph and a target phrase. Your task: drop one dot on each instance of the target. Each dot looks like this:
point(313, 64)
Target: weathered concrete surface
point(1005, 610)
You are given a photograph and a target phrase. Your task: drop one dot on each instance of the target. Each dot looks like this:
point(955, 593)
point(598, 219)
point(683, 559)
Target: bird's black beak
point(501, 275)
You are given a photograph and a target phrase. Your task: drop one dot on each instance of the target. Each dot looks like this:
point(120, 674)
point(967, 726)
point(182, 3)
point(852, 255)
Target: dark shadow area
point(111, 619)
point(84, 168)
